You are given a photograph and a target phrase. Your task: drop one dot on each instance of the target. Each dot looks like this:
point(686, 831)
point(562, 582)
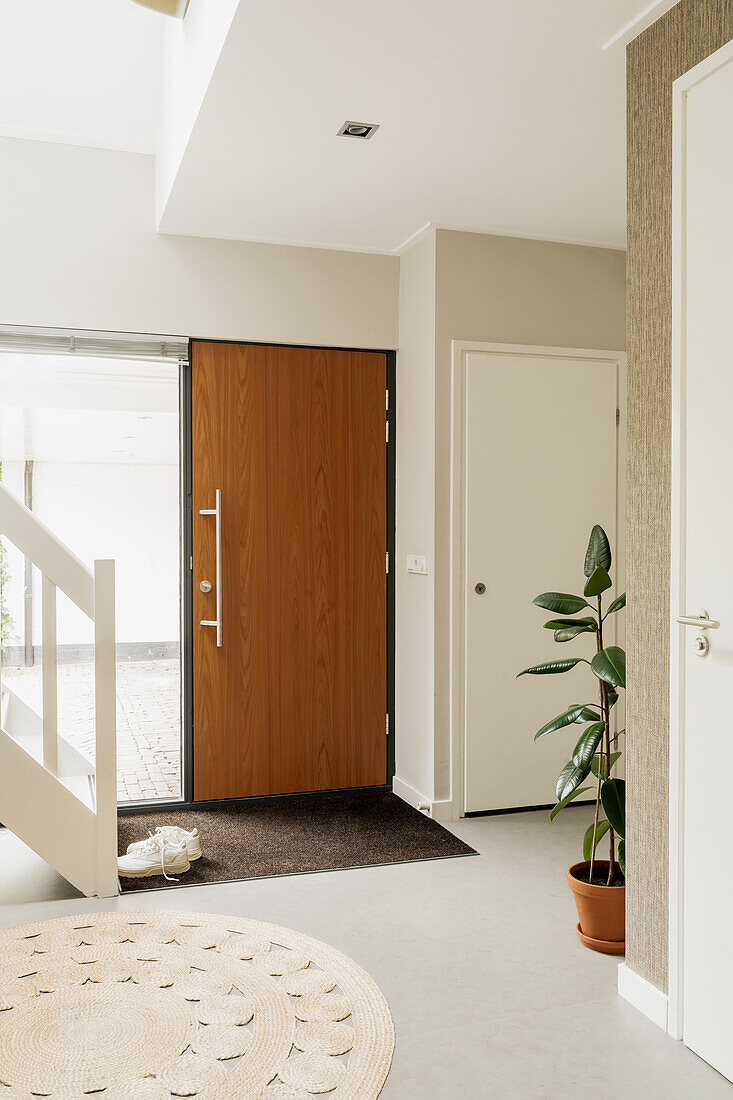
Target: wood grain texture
point(231, 702)
point(296, 698)
point(686, 35)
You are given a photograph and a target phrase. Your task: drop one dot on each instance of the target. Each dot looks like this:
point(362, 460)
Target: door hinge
point(386, 563)
point(386, 400)
point(386, 433)
point(618, 417)
point(190, 562)
point(386, 724)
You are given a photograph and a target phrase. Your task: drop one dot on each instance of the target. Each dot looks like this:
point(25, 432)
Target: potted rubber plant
point(598, 884)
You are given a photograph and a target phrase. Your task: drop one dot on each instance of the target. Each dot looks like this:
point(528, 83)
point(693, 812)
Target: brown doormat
point(296, 836)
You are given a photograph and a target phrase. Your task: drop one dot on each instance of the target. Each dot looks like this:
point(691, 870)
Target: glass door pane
point(93, 447)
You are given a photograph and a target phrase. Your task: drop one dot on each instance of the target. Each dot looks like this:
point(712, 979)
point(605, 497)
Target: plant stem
point(595, 830)
point(606, 715)
point(611, 834)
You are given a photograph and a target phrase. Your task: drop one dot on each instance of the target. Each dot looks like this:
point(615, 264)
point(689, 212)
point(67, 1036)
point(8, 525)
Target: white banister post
point(49, 676)
point(105, 707)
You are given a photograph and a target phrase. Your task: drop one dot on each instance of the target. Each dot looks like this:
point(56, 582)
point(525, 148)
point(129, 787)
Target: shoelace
point(163, 851)
point(173, 836)
point(156, 843)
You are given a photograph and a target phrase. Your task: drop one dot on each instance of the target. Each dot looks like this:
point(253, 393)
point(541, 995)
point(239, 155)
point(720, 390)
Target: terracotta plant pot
point(601, 910)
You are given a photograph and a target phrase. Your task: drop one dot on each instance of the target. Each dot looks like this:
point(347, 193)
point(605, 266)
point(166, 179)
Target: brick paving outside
point(148, 720)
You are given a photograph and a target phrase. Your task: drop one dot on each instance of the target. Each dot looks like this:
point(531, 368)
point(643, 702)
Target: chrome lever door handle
point(217, 622)
point(701, 621)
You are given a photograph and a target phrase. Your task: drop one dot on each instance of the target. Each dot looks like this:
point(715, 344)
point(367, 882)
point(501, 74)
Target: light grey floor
point(492, 994)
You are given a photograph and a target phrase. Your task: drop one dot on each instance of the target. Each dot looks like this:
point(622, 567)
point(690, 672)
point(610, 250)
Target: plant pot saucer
point(607, 947)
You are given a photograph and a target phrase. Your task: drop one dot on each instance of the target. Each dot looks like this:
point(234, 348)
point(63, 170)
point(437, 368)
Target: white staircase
point(51, 796)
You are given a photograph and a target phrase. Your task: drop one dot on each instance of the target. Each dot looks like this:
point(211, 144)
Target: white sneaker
point(173, 836)
point(154, 857)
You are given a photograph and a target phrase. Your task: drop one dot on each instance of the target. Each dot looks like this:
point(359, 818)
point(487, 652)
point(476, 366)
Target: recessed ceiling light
point(363, 130)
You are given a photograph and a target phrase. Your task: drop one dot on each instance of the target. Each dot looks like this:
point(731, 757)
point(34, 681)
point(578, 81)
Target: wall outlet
point(417, 563)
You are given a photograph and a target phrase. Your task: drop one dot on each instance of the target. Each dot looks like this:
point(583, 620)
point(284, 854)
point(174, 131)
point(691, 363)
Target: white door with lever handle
point(529, 506)
point(701, 964)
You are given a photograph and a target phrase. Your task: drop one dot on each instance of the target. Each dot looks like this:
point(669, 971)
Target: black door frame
point(186, 801)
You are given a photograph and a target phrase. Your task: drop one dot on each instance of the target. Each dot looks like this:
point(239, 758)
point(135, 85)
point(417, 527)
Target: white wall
point(191, 51)
point(415, 523)
point(80, 250)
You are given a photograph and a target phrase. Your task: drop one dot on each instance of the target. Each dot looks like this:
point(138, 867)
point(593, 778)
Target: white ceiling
point(82, 72)
point(496, 117)
point(501, 117)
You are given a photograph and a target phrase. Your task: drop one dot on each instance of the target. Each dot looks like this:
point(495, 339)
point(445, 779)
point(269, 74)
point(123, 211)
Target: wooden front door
point(290, 646)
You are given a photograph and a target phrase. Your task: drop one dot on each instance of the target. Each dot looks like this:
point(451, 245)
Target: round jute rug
point(151, 1005)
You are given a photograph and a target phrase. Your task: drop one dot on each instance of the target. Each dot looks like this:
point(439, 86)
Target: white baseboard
point(644, 996)
point(441, 810)
point(412, 797)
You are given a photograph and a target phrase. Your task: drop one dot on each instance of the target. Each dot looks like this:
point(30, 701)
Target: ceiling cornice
point(639, 23)
point(485, 231)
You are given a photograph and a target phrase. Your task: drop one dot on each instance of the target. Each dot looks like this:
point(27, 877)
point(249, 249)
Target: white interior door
point(703, 466)
point(540, 469)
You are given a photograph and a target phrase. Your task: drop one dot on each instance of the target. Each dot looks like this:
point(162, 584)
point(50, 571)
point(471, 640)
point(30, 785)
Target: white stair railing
point(35, 803)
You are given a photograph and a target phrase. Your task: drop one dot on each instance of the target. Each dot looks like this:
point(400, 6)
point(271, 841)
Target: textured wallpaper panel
point(686, 35)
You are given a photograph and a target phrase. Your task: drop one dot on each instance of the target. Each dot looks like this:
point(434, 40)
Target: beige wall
point(682, 38)
point(513, 291)
point(468, 286)
point(78, 249)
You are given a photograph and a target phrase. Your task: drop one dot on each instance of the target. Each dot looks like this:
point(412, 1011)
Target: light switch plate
point(417, 563)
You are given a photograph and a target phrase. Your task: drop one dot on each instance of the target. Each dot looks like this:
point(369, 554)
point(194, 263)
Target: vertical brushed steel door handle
point(217, 622)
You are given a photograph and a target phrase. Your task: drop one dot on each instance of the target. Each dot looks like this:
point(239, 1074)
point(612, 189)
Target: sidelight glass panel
point(92, 446)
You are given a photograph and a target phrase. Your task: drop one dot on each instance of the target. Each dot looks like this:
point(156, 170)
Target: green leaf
point(567, 629)
point(550, 668)
point(567, 633)
point(611, 697)
point(587, 744)
point(565, 719)
point(617, 604)
point(561, 603)
point(561, 805)
point(598, 552)
point(558, 624)
point(589, 713)
point(598, 582)
point(610, 665)
point(613, 797)
point(622, 856)
point(603, 828)
point(598, 765)
point(570, 777)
